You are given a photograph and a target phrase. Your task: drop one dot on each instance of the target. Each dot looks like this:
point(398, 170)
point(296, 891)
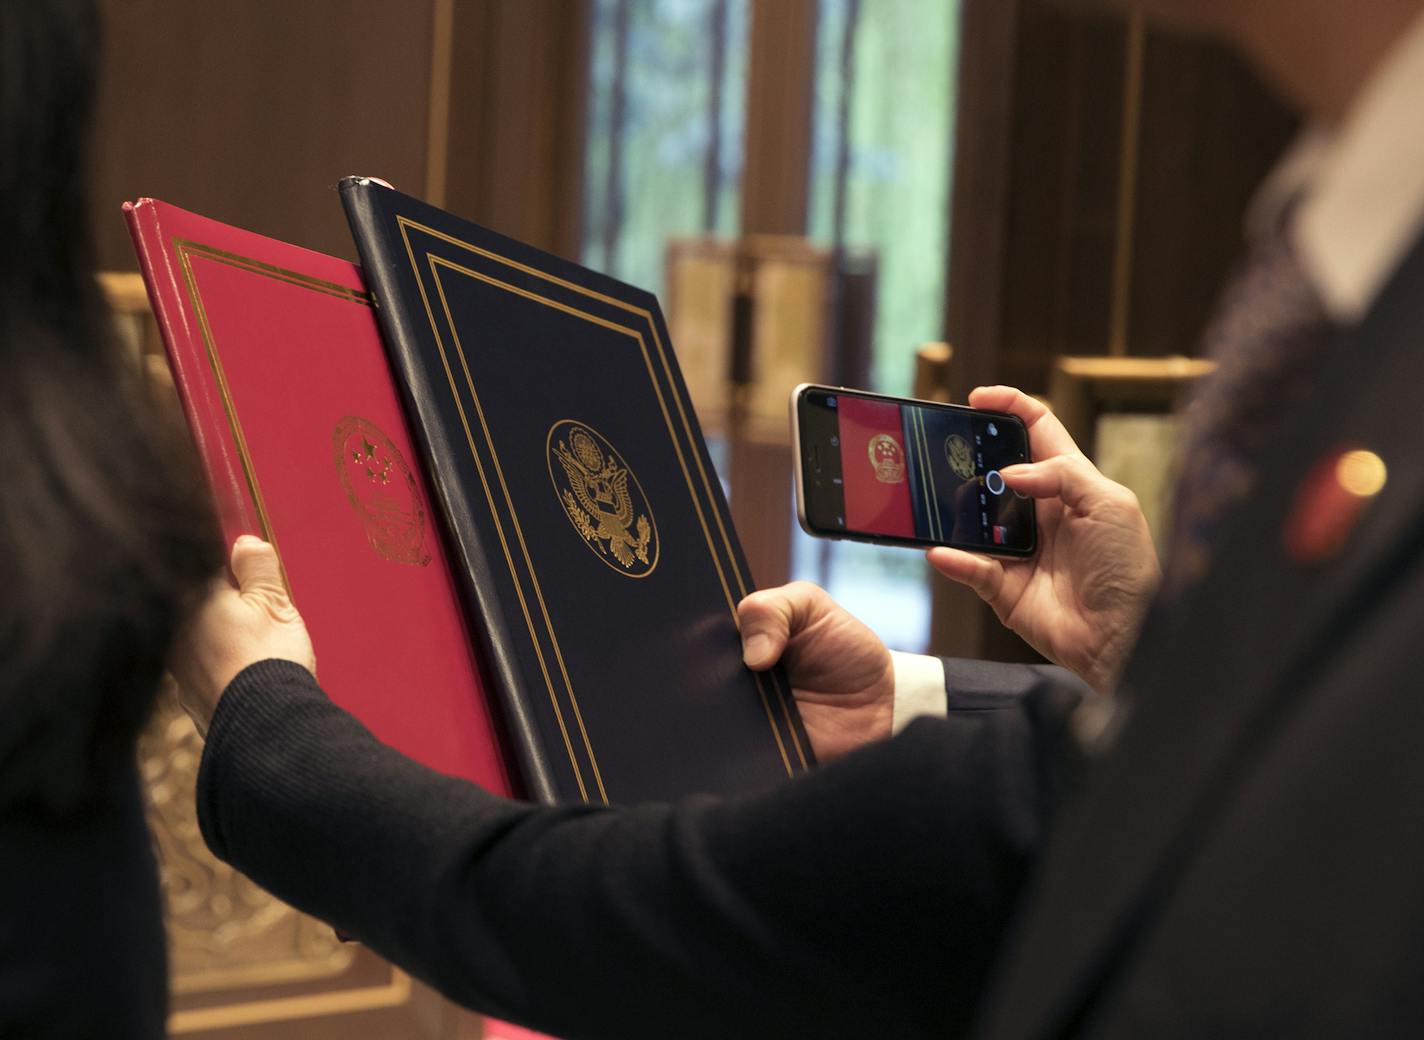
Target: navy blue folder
point(588, 524)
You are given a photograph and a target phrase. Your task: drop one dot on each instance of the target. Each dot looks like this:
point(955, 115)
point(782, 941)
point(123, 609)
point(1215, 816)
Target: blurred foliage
point(901, 130)
point(667, 129)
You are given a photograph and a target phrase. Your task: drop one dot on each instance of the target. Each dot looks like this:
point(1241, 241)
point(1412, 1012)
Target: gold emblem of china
point(887, 458)
point(602, 498)
point(382, 490)
point(960, 456)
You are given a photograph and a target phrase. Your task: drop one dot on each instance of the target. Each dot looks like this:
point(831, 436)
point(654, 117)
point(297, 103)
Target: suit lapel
point(1216, 673)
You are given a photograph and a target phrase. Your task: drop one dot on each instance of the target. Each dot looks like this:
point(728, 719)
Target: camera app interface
point(915, 471)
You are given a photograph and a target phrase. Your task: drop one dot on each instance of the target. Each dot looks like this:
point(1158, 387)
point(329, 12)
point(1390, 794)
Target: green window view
point(900, 76)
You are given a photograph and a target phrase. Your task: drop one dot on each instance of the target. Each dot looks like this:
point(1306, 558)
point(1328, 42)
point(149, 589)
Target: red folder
point(874, 466)
point(283, 378)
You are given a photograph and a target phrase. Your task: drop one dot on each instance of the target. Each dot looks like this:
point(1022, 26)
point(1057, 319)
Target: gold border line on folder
point(913, 449)
point(932, 492)
point(509, 503)
point(518, 530)
point(186, 250)
point(782, 695)
point(918, 451)
point(499, 527)
point(922, 454)
point(281, 274)
point(924, 469)
point(927, 485)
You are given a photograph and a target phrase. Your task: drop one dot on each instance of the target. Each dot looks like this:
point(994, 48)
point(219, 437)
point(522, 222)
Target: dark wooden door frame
point(980, 151)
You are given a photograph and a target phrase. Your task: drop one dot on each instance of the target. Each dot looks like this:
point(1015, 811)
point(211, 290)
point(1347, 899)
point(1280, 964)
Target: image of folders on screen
point(957, 491)
point(931, 474)
point(874, 467)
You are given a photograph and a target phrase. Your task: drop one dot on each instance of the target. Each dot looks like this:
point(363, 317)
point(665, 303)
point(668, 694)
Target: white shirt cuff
point(919, 689)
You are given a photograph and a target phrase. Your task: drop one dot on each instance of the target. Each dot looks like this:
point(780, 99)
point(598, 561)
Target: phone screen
point(895, 470)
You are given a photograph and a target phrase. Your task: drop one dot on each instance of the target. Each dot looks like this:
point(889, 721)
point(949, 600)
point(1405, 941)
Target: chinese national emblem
point(382, 491)
point(960, 456)
point(887, 458)
point(602, 498)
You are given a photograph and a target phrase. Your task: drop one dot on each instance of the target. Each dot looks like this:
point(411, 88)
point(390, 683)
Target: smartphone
point(897, 471)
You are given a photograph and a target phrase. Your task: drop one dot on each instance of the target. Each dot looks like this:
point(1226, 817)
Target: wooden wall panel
point(1118, 195)
point(1063, 179)
point(250, 112)
point(1210, 131)
point(518, 103)
point(780, 75)
point(979, 199)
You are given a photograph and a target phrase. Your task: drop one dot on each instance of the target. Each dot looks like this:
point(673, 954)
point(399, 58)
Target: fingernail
point(756, 650)
point(249, 539)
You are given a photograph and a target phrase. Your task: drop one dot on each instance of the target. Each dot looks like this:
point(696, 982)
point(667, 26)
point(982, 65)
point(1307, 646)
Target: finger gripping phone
point(897, 471)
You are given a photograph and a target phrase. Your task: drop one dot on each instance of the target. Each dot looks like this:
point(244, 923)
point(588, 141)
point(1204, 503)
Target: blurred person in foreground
point(1215, 827)
point(104, 543)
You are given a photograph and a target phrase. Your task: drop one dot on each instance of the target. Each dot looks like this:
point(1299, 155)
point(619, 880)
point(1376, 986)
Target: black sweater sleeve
point(864, 899)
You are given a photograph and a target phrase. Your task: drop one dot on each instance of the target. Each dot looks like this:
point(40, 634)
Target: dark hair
point(105, 533)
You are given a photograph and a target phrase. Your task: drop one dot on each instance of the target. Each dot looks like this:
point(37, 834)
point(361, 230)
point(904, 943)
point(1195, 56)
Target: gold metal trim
point(435, 262)
point(312, 1005)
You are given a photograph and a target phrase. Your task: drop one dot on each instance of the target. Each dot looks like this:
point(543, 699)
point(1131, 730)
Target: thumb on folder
point(245, 619)
point(841, 673)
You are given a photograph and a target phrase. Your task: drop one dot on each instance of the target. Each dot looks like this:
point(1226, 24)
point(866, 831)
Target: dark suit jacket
point(1246, 857)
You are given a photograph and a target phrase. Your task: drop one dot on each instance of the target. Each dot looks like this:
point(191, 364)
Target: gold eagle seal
point(382, 491)
point(960, 456)
point(602, 498)
point(887, 458)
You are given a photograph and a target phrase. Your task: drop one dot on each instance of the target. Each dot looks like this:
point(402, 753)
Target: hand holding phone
point(1080, 598)
point(899, 471)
